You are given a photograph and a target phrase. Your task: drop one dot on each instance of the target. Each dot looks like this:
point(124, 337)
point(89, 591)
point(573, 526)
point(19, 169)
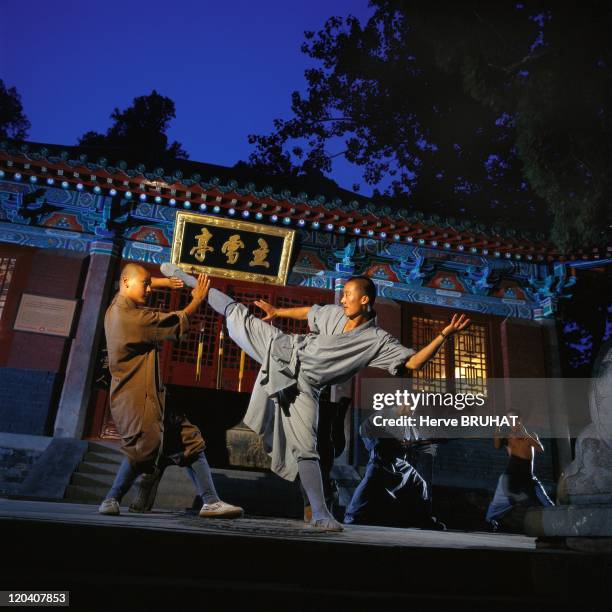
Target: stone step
point(79, 494)
point(92, 480)
point(98, 447)
point(85, 495)
point(102, 458)
point(87, 467)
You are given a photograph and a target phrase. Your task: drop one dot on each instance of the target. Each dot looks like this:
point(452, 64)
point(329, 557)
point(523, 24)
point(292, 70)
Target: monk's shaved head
point(133, 270)
point(366, 286)
point(135, 283)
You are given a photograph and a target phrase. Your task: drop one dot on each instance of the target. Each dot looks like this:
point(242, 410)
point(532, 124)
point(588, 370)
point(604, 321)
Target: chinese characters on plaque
point(234, 249)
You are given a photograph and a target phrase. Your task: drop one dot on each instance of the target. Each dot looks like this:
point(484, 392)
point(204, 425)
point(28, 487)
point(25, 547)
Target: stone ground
point(169, 557)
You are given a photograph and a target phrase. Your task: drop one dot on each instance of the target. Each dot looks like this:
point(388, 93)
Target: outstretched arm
point(198, 294)
point(299, 313)
point(167, 283)
point(419, 359)
point(533, 440)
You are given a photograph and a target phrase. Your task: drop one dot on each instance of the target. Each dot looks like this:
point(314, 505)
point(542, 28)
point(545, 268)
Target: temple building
point(69, 221)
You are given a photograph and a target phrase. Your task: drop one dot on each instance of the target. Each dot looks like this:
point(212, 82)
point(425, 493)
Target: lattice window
point(231, 352)
point(462, 369)
point(160, 299)
point(7, 269)
point(185, 351)
point(471, 360)
point(433, 376)
point(291, 326)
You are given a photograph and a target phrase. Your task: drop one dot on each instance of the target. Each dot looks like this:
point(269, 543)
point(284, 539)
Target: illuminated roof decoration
point(361, 217)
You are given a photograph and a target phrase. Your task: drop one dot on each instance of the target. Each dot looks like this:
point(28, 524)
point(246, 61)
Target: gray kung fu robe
point(284, 404)
point(137, 394)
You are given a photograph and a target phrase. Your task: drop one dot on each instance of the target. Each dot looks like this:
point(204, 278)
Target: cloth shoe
point(221, 509)
point(109, 506)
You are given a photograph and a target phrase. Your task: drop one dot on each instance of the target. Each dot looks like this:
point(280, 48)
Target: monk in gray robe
point(137, 395)
point(283, 408)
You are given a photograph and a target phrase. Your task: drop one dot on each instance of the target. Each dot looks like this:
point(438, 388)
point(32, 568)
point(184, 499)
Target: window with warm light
point(462, 368)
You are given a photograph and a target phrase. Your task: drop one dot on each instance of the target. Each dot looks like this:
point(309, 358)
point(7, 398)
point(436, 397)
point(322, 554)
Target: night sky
point(230, 67)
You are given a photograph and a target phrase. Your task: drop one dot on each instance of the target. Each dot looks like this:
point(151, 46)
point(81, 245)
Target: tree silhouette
point(477, 110)
point(139, 131)
point(13, 122)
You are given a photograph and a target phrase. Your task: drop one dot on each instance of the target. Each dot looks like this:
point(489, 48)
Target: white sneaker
point(221, 509)
point(109, 506)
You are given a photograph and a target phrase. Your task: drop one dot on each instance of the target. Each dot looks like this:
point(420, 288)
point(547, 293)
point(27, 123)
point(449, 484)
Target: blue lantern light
point(287, 220)
point(50, 181)
point(1, 173)
point(274, 218)
point(64, 184)
point(258, 216)
point(80, 186)
point(187, 205)
point(128, 195)
point(142, 197)
point(97, 189)
point(396, 237)
point(231, 212)
point(370, 232)
point(246, 214)
point(158, 200)
point(301, 222)
point(342, 229)
point(172, 202)
point(357, 231)
point(315, 225)
point(329, 227)
point(383, 235)
point(17, 176)
point(203, 207)
point(33, 179)
point(217, 209)
point(112, 193)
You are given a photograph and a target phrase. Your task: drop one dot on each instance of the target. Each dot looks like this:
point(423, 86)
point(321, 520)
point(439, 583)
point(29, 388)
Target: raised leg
point(251, 334)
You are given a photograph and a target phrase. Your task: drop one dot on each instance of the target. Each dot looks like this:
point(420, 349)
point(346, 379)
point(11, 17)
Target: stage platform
point(174, 559)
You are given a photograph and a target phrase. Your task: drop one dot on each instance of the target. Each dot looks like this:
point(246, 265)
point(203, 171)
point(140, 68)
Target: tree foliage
point(494, 111)
point(13, 122)
point(140, 130)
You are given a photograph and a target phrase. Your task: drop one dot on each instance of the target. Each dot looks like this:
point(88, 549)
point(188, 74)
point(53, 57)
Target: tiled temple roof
point(212, 189)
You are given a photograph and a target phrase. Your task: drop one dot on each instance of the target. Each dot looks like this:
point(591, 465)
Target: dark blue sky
point(230, 66)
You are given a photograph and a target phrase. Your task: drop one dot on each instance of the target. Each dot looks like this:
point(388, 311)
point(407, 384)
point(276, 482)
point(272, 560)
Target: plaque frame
point(288, 235)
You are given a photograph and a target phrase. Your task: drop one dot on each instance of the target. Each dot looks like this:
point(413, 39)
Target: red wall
point(41, 272)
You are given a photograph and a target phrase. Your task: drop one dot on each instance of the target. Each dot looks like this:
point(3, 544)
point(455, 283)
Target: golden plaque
point(232, 248)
